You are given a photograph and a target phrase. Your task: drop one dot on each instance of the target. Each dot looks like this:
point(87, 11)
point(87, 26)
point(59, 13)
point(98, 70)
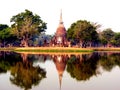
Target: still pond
point(83, 71)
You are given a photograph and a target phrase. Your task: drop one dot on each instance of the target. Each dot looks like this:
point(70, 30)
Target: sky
point(103, 12)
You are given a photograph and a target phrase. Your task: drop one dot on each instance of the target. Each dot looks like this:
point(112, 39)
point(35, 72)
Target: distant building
point(60, 37)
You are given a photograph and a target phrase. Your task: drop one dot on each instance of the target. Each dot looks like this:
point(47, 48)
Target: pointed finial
point(61, 22)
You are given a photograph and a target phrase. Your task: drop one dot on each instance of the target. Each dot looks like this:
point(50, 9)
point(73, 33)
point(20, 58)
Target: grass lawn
point(54, 49)
point(57, 49)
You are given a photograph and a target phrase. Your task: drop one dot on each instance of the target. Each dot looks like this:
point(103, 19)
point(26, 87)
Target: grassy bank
point(56, 49)
point(106, 49)
point(7, 48)
point(53, 49)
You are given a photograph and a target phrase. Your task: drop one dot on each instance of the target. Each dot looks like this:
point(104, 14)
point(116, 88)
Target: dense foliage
point(82, 33)
point(27, 30)
point(26, 25)
point(5, 35)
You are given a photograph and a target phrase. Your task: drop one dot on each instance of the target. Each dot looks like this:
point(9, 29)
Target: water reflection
point(23, 74)
point(80, 67)
point(8, 59)
point(109, 60)
point(60, 63)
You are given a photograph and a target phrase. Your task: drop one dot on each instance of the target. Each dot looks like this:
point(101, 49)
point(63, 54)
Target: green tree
point(3, 26)
point(107, 35)
point(83, 32)
point(70, 32)
point(25, 25)
point(5, 33)
point(116, 40)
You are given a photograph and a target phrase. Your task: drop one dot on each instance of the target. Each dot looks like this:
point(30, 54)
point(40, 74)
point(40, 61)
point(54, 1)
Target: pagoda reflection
point(27, 69)
point(60, 62)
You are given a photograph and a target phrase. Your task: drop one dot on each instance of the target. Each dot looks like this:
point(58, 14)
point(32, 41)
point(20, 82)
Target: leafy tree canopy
point(108, 34)
point(26, 24)
point(5, 32)
point(3, 26)
point(82, 30)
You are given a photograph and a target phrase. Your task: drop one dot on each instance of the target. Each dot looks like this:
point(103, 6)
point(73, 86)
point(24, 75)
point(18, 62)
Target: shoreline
point(57, 49)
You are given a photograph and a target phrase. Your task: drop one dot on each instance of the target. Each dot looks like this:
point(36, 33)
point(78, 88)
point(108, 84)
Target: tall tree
point(6, 37)
point(107, 35)
point(25, 25)
point(4, 33)
point(3, 26)
point(115, 41)
point(83, 32)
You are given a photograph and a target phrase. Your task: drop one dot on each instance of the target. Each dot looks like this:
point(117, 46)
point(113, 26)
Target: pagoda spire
point(61, 21)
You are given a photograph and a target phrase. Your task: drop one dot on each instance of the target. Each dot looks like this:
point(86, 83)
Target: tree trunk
point(90, 44)
point(24, 43)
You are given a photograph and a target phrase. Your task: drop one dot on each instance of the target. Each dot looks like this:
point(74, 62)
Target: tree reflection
point(4, 66)
point(109, 60)
point(8, 59)
point(83, 66)
point(23, 74)
point(80, 67)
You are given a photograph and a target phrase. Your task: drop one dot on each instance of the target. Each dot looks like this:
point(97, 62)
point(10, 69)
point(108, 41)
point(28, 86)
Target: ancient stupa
point(60, 38)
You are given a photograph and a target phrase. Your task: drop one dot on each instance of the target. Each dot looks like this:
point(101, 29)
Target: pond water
point(90, 71)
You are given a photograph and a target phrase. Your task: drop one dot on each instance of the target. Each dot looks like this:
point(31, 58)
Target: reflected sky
point(94, 71)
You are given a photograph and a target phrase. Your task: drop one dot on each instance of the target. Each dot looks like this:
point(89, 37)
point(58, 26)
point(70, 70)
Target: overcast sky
point(104, 12)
